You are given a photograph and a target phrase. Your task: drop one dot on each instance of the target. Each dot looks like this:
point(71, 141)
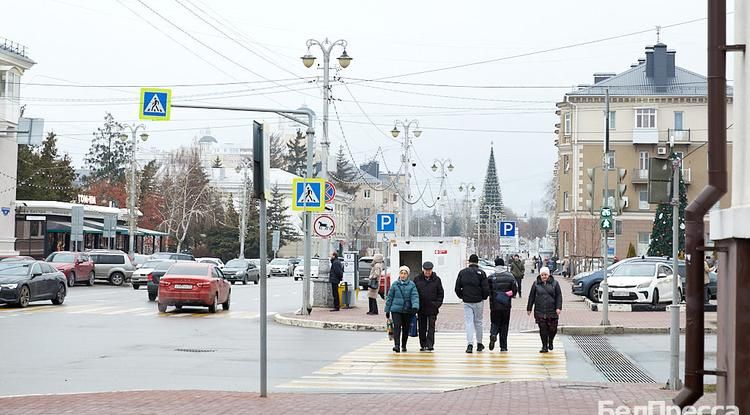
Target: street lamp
point(469, 188)
point(243, 166)
point(308, 60)
point(405, 197)
point(132, 194)
point(445, 166)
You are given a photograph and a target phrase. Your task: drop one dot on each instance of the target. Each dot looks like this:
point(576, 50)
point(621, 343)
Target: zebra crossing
point(376, 367)
point(119, 310)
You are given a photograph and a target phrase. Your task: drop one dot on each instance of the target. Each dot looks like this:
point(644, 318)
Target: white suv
point(642, 282)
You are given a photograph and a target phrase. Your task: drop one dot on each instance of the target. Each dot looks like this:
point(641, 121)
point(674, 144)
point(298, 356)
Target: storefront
point(43, 227)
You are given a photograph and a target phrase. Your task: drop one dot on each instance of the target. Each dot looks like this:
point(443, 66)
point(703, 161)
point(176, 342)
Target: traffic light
point(620, 190)
point(590, 190)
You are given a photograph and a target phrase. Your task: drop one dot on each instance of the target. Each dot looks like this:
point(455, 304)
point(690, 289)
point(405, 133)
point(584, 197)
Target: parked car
point(194, 284)
point(22, 282)
point(364, 266)
point(215, 261)
point(643, 281)
point(586, 284)
point(294, 262)
point(173, 255)
point(111, 265)
point(315, 270)
point(139, 259)
point(76, 266)
point(17, 258)
point(141, 275)
point(153, 277)
point(280, 267)
point(241, 270)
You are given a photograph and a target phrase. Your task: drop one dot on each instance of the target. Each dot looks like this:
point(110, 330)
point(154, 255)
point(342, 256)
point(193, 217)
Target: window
point(643, 200)
point(645, 118)
point(643, 160)
point(568, 126)
point(395, 198)
point(34, 228)
point(566, 244)
point(36, 269)
point(665, 270)
point(366, 212)
point(367, 194)
point(47, 269)
point(109, 259)
point(611, 120)
point(611, 159)
point(644, 239)
point(608, 197)
point(566, 163)
point(566, 202)
point(3, 76)
point(678, 120)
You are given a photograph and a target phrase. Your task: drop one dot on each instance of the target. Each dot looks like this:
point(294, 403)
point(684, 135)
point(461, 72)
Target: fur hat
point(377, 258)
point(404, 268)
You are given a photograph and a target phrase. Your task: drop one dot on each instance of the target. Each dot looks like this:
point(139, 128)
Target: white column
point(8, 166)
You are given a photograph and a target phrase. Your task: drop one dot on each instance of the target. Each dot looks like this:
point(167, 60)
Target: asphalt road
point(108, 338)
point(111, 338)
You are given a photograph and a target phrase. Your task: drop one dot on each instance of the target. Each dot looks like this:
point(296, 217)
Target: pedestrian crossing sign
point(308, 195)
point(155, 104)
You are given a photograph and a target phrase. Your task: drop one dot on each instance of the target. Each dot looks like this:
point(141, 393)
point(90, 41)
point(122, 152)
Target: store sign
point(87, 199)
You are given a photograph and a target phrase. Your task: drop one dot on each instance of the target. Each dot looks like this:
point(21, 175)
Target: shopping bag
point(413, 326)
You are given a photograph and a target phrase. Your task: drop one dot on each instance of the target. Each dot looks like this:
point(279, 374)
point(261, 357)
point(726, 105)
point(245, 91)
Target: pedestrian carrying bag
point(374, 283)
point(502, 297)
point(407, 301)
point(413, 326)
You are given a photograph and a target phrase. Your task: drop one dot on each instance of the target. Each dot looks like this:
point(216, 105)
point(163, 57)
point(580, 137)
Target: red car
point(194, 284)
point(77, 266)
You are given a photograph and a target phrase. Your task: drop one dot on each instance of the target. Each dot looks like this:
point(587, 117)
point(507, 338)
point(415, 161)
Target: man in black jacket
point(472, 288)
point(517, 269)
point(501, 283)
point(546, 299)
point(334, 277)
point(431, 293)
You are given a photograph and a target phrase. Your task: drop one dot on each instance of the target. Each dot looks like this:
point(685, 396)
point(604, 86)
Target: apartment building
point(652, 104)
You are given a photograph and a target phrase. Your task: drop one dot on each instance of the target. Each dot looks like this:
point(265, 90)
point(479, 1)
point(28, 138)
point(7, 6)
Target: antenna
point(658, 34)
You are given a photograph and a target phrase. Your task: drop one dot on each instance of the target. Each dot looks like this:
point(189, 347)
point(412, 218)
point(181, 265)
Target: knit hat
point(404, 268)
point(499, 262)
point(473, 259)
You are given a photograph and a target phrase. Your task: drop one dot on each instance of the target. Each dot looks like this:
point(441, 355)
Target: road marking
point(126, 311)
point(376, 368)
point(93, 310)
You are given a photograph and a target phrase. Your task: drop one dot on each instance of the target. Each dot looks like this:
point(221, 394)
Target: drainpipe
point(717, 187)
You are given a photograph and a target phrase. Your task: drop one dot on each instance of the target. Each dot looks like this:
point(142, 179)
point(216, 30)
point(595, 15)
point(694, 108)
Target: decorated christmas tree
point(661, 234)
point(491, 209)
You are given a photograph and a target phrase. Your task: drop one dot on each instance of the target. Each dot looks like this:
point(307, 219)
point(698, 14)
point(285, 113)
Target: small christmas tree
point(661, 234)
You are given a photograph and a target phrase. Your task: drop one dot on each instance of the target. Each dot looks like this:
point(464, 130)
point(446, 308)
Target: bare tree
point(186, 193)
point(277, 151)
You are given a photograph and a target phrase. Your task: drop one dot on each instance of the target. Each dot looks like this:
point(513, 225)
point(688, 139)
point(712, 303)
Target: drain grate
point(615, 366)
point(194, 350)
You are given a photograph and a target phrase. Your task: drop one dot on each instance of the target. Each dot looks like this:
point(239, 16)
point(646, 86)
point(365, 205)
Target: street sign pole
point(605, 231)
point(674, 331)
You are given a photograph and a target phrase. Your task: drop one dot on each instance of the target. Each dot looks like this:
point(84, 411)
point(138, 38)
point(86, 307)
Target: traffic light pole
point(674, 330)
point(605, 231)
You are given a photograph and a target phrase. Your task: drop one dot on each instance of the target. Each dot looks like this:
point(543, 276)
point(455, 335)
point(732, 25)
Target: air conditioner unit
point(662, 151)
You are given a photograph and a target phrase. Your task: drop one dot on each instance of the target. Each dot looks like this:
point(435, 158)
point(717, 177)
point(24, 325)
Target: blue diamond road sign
point(386, 222)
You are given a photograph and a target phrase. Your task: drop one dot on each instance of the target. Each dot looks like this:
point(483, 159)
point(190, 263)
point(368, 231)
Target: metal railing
point(15, 47)
point(639, 176)
point(680, 136)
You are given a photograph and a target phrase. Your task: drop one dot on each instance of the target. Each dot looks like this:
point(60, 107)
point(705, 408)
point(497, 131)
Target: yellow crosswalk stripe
point(375, 367)
point(125, 311)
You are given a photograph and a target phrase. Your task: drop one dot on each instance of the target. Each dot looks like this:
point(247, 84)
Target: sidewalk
point(575, 314)
point(558, 398)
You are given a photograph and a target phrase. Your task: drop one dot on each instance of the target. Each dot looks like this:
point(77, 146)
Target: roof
point(207, 139)
point(634, 82)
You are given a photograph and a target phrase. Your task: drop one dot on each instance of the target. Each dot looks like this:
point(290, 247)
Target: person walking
point(431, 294)
point(374, 283)
point(400, 305)
point(566, 268)
point(503, 287)
point(546, 299)
point(335, 275)
point(518, 270)
point(473, 289)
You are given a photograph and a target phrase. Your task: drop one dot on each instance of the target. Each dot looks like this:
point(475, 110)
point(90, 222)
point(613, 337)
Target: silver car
point(113, 266)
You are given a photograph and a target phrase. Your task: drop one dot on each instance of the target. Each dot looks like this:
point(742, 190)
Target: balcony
point(680, 136)
point(645, 136)
point(687, 177)
point(639, 176)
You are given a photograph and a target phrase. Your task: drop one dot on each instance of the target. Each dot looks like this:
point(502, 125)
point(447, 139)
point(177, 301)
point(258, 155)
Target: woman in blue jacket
point(400, 305)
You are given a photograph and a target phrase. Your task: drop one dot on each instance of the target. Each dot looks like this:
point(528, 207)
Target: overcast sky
point(122, 45)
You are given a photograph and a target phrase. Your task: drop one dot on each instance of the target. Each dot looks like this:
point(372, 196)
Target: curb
point(624, 307)
point(327, 325)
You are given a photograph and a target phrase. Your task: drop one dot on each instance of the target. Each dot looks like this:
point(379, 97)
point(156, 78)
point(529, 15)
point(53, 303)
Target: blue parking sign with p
point(155, 104)
point(508, 228)
point(386, 222)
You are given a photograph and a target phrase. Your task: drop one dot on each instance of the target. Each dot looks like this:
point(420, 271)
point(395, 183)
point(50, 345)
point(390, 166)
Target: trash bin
point(344, 294)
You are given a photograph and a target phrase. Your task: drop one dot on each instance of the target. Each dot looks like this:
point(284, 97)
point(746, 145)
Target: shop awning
point(58, 226)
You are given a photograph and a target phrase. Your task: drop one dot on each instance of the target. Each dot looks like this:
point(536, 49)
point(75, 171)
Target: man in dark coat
point(472, 289)
point(334, 277)
point(546, 299)
point(501, 283)
point(431, 294)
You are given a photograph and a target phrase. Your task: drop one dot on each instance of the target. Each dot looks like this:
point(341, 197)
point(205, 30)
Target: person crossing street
point(503, 287)
point(517, 269)
point(472, 289)
point(431, 295)
point(546, 300)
